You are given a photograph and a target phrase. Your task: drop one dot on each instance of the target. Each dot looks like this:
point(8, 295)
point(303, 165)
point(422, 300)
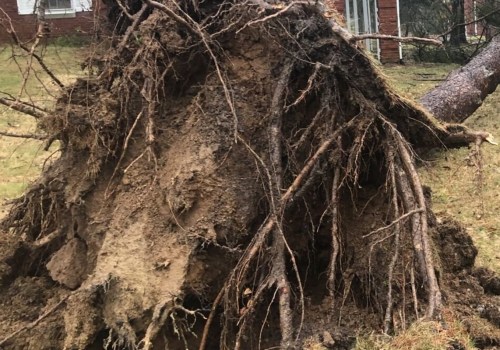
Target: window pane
point(59, 4)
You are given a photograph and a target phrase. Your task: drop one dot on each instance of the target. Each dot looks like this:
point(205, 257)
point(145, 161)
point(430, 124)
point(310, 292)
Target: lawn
point(460, 189)
point(22, 159)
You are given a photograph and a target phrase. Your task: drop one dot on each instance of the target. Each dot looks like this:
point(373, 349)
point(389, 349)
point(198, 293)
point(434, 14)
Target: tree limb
point(12, 32)
point(23, 136)
point(407, 39)
point(23, 107)
point(469, 22)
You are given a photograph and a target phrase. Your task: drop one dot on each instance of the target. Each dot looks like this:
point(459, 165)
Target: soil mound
point(235, 175)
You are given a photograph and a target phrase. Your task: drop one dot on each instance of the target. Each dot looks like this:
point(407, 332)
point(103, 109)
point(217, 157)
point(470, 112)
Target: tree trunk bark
point(466, 87)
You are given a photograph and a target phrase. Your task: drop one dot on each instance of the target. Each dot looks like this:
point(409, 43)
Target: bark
point(465, 88)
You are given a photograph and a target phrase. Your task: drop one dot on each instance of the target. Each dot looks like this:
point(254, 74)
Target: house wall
point(388, 24)
point(25, 25)
point(473, 28)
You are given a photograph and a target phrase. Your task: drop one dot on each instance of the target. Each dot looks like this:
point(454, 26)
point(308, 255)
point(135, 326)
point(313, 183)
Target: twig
point(278, 271)
point(124, 9)
point(23, 136)
point(47, 239)
point(17, 41)
point(23, 107)
point(397, 221)
point(274, 15)
point(308, 88)
point(470, 22)
point(172, 15)
point(313, 159)
point(405, 39)
point(136, 20)
point(353, 38)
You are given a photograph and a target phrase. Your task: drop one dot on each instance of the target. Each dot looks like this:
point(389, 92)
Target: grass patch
point(457, 191)
point(21, 160)
point(422, 335)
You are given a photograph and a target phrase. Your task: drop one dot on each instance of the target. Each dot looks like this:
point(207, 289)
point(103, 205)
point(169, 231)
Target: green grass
point(457, 189)
point(423, 335)
point(413, 81)
point(22, 159)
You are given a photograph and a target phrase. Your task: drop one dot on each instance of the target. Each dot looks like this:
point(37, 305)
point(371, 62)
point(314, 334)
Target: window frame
point(27, 7)
point(71, 6)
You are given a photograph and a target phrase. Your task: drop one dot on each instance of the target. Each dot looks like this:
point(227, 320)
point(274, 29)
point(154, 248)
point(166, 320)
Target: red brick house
point(65, 17)
point(374, 16)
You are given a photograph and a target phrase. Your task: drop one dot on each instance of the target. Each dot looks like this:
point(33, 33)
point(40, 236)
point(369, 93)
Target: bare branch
point(396, 221)
point(401, 39)
point(479, 19)
point(11, 31)
point(26, 103)
point(281, 9)
point(23, 107)
point(23, 136)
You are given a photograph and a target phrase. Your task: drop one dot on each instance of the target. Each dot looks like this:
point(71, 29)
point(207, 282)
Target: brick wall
point(388, 24)
point(25, 25)
point(338, 4)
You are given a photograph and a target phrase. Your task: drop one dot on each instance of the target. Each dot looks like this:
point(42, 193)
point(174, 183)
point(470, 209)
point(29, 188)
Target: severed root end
point(460, 135)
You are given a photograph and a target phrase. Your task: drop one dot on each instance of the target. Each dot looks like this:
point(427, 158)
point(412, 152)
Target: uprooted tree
point(466, 87)
point(233, 173)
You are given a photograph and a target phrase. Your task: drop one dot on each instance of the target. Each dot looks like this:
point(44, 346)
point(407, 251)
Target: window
point(59, 4)
point(68, 7)
point(361, 18)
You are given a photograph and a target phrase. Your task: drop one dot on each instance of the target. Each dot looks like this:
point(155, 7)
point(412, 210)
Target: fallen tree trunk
point(466, 87)
point(236, 172)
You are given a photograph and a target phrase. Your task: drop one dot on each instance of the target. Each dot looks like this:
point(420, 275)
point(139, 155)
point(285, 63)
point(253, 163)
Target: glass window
point(362, 19)
point(59, 4)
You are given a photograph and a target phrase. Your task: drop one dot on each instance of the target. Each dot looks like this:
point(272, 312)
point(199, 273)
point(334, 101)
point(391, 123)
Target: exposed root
point(170, 311)
point(397, 239)
point(420, 230)
point(335, 233)
point(304, 143)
